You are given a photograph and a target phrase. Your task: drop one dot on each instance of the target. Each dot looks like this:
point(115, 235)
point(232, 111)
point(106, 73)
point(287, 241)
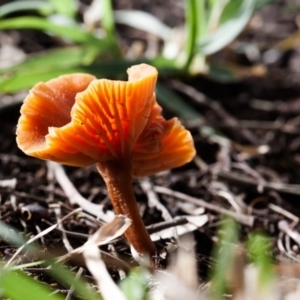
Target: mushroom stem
point(118, 179)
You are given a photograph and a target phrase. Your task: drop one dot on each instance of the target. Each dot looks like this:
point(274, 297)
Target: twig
point(242, 218)
point(71, 290)
point(293, 189)
point(193, 224)
point(286, 228)
point(153, 201)
point(60, 226)
point(284, 212)
point(10, 183)
point(74, 196)
point(264, 125)
point(29, 196)
point(167, 224)
point(230, 198)
point(78, 235)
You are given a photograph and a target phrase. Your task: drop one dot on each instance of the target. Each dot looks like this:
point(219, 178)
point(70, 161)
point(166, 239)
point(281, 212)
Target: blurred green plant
point(17, 285)
point(224, 256)
point(30, 288)
point(259, 251)
point(210, 25)
point(136, 284)
point(231, 262)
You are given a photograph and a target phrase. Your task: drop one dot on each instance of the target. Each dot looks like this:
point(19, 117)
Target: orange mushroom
point(79, 120)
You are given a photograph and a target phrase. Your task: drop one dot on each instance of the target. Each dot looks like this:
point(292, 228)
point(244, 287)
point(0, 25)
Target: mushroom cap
point(79, 120)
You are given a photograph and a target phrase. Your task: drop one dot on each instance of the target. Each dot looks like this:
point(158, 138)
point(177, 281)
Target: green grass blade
point(59, 62)
point(259, 249)
point(108, 21)
point(18, 286)
point(223, 254)
point(108, 24)
point(201, 18)
point(21, 81)
point(73, 33)
point(43, 7)
point(192, 29)
point(10, 235)
point(181, 107)
point(47, 65)
point(44, 66)
point(53, 58)
point(176, 104)
point(10, 279)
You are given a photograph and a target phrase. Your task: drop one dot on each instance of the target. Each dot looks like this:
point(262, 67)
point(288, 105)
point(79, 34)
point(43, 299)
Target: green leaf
point(222, 73)
point(65, 7)
point(73, 33)
point(41, 6)
point(10, 235)
point(65, 57)
point(50, 64)
point(192, 29)
point(29, 289)
point(20, 81)
point(235, 17)
point(176, 104)
point(54, 63)
point(18, 286)
point(42, 67)
point(181, 108)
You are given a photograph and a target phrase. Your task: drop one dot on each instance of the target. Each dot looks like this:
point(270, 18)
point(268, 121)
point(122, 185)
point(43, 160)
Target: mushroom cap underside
point(79, 120)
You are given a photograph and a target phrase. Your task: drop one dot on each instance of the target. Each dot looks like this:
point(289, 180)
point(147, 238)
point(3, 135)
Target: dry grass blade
point(110, 231)
point(95, 264)
point(175, 284)
point(103, 235)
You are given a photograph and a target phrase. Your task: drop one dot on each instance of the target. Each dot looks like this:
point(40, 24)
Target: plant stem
point(108, 24)
point(117, 176)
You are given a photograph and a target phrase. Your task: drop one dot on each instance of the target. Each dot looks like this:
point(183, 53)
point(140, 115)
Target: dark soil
point(250, 172)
